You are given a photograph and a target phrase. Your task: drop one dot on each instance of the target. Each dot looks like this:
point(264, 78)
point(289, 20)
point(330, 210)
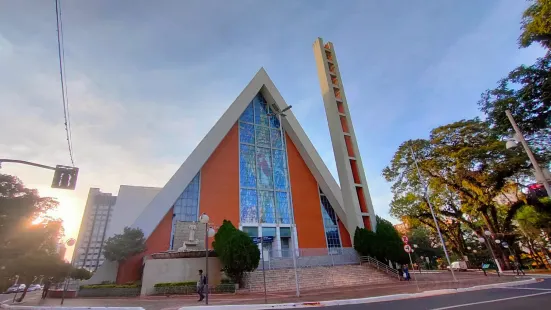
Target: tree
point(80, 274)
point(27, 248)
point(236, 251)
point(123, 246)
point(426, 242)
point(526, 92)
point(385, 244)
point(222, 237)
point(474, 181)
point(536, 24)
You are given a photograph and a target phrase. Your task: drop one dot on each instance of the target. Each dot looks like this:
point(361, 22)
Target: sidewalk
point(175, 302)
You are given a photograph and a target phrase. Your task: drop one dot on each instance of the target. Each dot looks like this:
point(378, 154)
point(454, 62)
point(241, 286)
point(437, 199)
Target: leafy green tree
point(384, 244)
point(27, 249)
point(536, 24)
point(474, 181)
point(123, 246)
point(222, 237)
point(80, 274)
point(526, 92)
point(236, 251)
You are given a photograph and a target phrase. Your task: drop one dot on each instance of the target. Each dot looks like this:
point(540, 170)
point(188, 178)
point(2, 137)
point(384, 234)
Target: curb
point(363, 300)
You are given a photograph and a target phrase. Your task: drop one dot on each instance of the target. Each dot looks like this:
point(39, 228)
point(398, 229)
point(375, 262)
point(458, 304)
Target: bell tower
point(355, 193)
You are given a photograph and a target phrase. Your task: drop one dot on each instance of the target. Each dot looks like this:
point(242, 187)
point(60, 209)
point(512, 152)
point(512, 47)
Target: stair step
point(317, 277)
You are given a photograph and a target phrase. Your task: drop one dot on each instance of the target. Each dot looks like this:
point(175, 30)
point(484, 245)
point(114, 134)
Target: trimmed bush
point(98, 286)
point(165, 284)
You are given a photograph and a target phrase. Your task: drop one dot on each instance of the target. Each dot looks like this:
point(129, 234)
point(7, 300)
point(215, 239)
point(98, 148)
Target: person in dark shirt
point(201, 285)
point(46, 288)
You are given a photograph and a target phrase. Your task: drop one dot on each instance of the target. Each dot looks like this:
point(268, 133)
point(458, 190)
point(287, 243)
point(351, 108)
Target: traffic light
point(65, 177)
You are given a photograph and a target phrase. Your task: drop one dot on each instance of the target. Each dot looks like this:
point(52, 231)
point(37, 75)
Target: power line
point(62, 76)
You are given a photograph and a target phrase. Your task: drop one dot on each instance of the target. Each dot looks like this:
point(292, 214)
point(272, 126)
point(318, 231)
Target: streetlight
point(513, 142)
point(487, 233)
point(209, 232)
point(279, 114)
point(427, 197)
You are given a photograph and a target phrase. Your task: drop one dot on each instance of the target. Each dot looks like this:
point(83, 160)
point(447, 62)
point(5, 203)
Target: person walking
point(406, 273)
point(201, 285)
point(46, 288)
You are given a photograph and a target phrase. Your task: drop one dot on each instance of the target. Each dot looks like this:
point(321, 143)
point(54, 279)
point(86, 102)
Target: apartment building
point(92, 235)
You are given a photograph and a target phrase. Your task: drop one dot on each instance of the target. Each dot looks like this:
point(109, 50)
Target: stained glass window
point(274, 122)
point(248, 115)
point(249, 212)
point(277, 143)
point(264, 168)
point(283, 208)
point(260, 111)
point(330, 223)
point(266, 206)
point(280, 170)
point(247, 164)
point(186, 207)
point(262, 136)
point(263, 175)
point(246, 133)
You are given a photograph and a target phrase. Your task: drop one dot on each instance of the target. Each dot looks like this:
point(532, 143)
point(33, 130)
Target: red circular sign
point(407, 248)
point(405, 239)
point(71, 242)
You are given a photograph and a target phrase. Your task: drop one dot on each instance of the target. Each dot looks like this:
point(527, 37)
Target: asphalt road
point(533, 296)
point(9, 297)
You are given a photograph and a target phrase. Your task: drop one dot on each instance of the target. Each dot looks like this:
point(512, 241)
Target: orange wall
point(306, 201)
point(345, 236)
point(158, 241)
point(220, 182)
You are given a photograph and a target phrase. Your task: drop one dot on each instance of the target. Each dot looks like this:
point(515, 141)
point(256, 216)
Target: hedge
point(97, 286)
point(170, 284)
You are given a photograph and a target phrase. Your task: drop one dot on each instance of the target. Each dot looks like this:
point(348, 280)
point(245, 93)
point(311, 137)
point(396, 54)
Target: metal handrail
point(380, 266)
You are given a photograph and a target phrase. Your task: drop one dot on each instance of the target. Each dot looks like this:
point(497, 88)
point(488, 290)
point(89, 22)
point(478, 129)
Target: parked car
point(34, 287)
point(458, 266)
point(13, 289)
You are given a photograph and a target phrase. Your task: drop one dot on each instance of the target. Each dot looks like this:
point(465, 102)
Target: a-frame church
point(258, 169)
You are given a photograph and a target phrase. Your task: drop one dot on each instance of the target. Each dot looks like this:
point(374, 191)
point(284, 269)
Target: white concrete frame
point(163, 201)
point(342, 159)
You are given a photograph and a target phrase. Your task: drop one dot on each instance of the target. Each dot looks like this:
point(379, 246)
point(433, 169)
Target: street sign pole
point(263, 269)
point(411, 262)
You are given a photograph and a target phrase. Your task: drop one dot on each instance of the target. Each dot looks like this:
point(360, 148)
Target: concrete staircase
point(312, 278)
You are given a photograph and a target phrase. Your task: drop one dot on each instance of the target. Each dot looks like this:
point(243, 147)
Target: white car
point(458, 266)
point(34, 287)
point(13, 289)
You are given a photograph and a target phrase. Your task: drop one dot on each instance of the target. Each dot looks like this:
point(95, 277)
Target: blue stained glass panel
point(249, 211)
point(248, 114)
point(247, 165)
point(282, 202)
point(246, 133)
point(330, 223)
point(260, 111)
point(277, 143)
point(264, 168)
point(280, 170)
point(186, 206)
point(267, 207)
point(274, 122)
point(262, 136)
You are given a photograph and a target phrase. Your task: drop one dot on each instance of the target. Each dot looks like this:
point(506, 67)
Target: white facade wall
point(131, 202)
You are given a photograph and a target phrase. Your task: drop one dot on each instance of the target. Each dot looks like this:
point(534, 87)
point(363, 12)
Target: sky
point(148, 79)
